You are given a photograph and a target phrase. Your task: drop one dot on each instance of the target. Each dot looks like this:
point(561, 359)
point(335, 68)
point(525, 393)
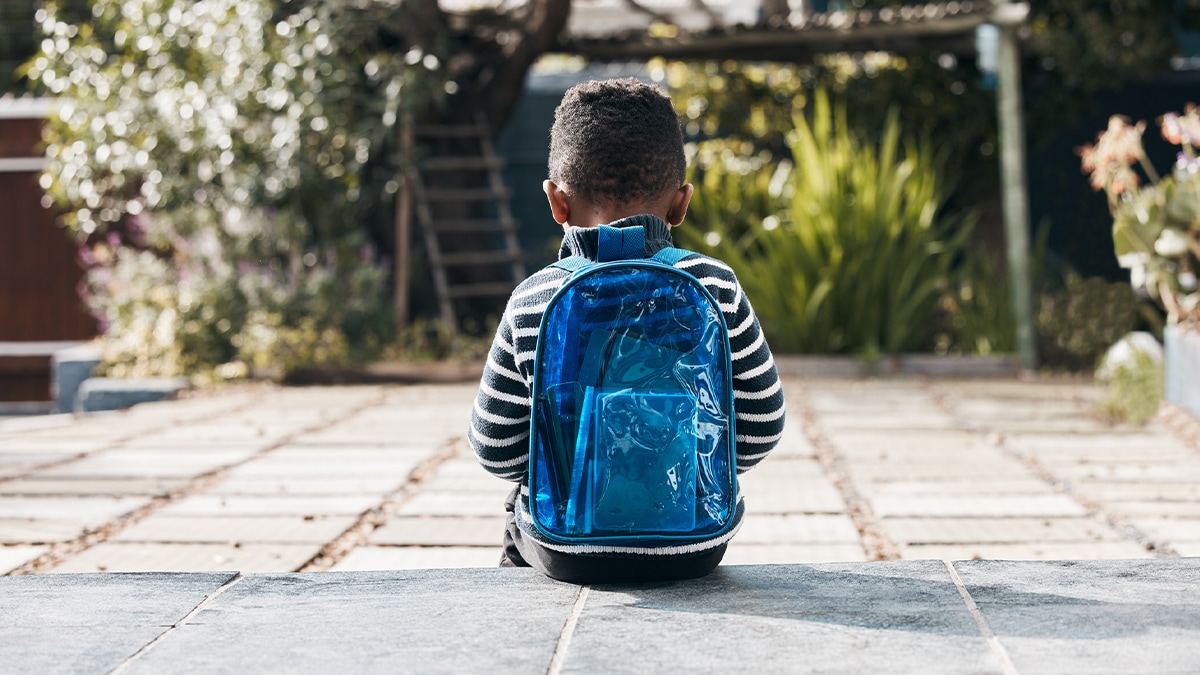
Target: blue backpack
point(632, 436)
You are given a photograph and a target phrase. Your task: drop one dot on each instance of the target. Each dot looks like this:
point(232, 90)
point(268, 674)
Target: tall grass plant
point(844, 251)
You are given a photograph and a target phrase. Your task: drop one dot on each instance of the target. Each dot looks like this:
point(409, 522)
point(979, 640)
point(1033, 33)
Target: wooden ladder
point(446, 213)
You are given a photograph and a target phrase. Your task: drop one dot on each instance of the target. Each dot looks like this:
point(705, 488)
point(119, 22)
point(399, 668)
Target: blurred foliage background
point(228, 170)
point(742, 119)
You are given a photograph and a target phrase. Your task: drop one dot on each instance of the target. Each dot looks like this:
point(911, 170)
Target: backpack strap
point(671, 256)
point(572, 264)
point(620, 243)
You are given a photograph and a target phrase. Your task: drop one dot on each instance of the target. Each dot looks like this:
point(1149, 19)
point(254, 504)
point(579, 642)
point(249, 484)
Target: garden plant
point(844, 248)
point(1155, 219)
point(223, 166)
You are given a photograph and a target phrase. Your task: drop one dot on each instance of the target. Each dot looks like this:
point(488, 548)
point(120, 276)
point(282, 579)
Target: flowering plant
point(1156, 221)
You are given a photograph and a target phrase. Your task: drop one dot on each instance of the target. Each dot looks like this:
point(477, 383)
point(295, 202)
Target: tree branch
point(642, 9)
point(714, 19)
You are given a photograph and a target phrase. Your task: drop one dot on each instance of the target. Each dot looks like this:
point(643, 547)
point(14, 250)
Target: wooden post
point(1010, 117)
point(403, 230)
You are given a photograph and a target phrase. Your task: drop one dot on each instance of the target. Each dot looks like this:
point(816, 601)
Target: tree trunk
point(775, 12)
point(491, 70)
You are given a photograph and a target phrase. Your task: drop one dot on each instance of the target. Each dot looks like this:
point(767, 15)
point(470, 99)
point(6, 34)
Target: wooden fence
point(39, 272)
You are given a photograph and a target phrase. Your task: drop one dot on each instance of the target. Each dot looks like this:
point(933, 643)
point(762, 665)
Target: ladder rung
point(461, 163)
point(473, 225)
point(494, 288)
point(446, 131)
point(465, 194)
point(480, 258)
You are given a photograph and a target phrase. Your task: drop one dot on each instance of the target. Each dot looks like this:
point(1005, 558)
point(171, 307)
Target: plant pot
point(1181, 365)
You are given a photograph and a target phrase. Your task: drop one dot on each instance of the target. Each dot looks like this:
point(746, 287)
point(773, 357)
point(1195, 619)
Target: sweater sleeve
point(500, 418)
point(758, 393)
point(499, 432)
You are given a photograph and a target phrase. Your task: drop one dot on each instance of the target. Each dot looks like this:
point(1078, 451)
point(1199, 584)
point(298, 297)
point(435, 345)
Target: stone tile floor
point(259, 478)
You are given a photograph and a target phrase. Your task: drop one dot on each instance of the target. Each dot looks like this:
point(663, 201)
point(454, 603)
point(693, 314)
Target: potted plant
point(1156, 232)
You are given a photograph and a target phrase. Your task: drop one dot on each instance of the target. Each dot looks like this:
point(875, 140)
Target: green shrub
point(846, 251)
point(1077, 323)
point(221, 164)
point(1134, 390)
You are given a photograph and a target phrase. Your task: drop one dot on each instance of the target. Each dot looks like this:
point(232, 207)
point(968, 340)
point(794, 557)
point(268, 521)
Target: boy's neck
point(604, 215)
point(575, 211)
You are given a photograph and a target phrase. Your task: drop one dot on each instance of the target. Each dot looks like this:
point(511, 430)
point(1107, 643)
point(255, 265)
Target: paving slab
point(908, 471)
point(742, 553)
point(1118, 491)
point(900, 439)
point(759, 528)
point(91, 487)
point(454, 504)
point(138, 557)
point(1050, 550)
point(884, 617)
point(91, 623)
point(1187, 549)
point(12, 557)
point(245, 529)
point(86, 509)
point(373, 622)
point(901, 616)
point(1151, 442)
point(39, 530)
point(463, 473)
point(814, 495)
point(1140, 616)
point(793, 443)
point(923, 420)
point(429, 531)
point(127, 463)
point(364, 558)
point(1007, 409)
point(1129, 472)
point(1169, 529)
point(907, 530)
point(979, 505)
point(14, 443)
point(254, 505)
point(250, 485)
point(331, 466)
point(1155, 508)
point(956, 451)
point(1011, 485)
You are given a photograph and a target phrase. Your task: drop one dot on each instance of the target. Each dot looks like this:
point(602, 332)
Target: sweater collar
point(582, 241)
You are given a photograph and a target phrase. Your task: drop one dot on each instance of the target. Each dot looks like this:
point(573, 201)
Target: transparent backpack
point(632, 431)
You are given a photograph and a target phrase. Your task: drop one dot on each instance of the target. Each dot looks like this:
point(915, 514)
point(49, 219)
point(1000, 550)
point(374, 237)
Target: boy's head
point(616, 146)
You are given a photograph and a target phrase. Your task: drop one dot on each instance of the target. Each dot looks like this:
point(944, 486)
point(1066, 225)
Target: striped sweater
point(500, 421)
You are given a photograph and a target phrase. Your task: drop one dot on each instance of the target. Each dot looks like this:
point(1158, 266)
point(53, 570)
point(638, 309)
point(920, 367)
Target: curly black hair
point(616, 142)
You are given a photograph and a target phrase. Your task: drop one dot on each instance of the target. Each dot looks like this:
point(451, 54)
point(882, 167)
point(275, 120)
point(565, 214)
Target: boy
point(616, 158)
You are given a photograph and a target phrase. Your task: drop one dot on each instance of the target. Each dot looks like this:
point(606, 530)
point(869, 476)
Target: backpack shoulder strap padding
point(572, 264)
point(671, 256)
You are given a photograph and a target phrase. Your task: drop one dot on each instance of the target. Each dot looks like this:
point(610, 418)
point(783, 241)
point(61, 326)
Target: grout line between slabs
point(229, 583)
point(993, 642)
point(568, 631)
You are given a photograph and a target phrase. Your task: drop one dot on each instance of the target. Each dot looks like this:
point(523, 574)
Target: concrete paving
point(903, 524)
point(379, 477)
point(896, 616)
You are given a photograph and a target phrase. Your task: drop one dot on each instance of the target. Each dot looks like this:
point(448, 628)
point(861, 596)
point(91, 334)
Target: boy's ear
point(560, 208)
point(679, 204)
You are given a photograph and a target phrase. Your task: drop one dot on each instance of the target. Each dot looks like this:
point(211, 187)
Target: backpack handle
point(620, 243)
